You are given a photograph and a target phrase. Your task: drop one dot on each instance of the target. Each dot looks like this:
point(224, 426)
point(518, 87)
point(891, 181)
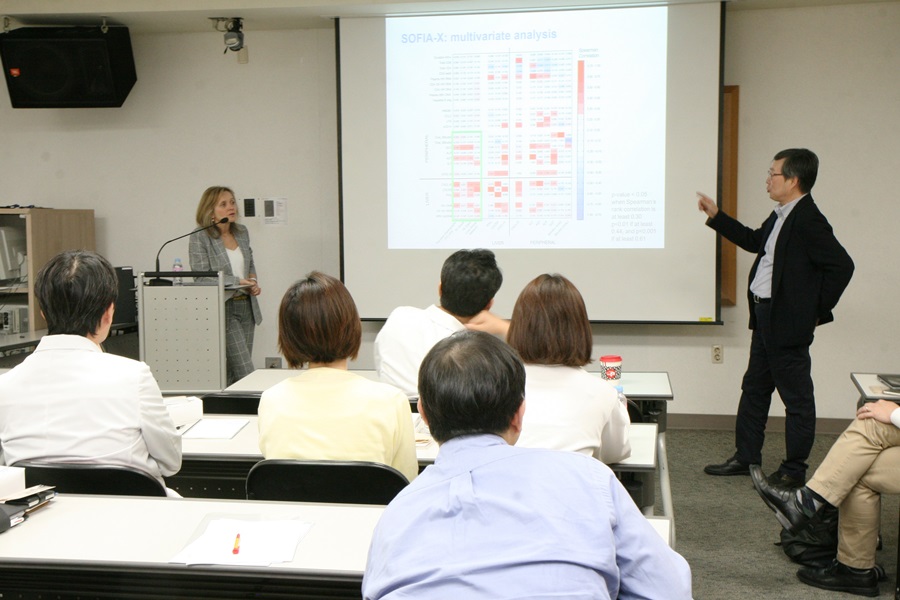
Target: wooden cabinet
point(29, 237)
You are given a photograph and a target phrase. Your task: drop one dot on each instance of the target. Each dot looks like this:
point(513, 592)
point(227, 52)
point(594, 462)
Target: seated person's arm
point(404, 459)
point(157, 428)
point(489, 322)
point(614, 442)
point(648, 567)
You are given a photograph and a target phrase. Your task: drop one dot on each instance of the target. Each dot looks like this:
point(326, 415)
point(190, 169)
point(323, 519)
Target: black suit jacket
point(810, 271)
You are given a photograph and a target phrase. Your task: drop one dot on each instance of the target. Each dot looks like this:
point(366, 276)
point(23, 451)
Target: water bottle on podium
point(178, 268)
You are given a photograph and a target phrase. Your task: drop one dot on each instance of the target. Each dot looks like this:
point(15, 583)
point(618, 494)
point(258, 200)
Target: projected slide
point(527, 131)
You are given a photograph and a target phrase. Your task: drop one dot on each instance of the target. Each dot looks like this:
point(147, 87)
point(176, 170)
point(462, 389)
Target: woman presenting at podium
point(226, 248)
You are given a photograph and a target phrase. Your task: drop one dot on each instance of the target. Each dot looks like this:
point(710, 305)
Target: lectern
point(182, 331)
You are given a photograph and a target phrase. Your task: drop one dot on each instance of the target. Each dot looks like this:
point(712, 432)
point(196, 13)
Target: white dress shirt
point(404, 340)
point(567, 408)
point(762, 281)
point(71, 402)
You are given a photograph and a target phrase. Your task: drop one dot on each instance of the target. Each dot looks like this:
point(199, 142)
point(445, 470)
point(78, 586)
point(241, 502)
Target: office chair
point(74, 478)
point(351, 482)
point(230, 403)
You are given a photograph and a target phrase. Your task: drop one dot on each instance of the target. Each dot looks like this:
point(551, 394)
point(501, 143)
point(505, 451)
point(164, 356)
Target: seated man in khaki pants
point(862, 465)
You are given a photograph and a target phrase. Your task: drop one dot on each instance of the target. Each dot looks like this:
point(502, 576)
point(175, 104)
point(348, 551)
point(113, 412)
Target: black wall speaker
point(67, 67)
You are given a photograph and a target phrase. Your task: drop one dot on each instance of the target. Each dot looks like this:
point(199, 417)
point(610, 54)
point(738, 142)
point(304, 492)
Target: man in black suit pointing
point(797, 278)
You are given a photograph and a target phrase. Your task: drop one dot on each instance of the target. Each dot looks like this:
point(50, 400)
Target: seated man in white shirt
point(71, 402)
point(489, 520)
point(469, 281)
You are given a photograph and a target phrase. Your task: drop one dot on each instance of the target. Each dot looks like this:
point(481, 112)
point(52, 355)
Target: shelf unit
point(47, 232)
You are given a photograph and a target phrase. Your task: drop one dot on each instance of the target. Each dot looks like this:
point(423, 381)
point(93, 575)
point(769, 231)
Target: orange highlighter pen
point(237, 544)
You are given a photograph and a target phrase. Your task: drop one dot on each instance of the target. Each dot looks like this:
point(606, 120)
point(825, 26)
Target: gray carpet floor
point(727, 533)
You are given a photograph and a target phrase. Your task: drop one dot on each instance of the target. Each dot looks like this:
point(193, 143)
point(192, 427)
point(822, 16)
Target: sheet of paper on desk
point(184, 409)
point(215, 429)
point(261, 543)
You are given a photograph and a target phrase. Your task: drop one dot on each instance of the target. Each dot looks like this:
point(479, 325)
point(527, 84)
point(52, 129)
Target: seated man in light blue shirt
point(489, 520)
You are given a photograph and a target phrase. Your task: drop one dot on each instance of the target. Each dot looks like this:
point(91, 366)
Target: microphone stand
point(158, 280)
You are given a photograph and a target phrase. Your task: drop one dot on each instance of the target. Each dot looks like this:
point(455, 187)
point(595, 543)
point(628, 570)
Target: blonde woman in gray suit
point(226, 248)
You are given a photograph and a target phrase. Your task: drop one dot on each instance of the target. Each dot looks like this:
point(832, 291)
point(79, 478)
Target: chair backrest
point(351, 482)
point(74, 478)
point(230, 403)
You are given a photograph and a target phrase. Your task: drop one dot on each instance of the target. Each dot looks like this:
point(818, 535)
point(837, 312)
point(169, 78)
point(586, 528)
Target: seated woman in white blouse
point(566, 408)
point(327, 412)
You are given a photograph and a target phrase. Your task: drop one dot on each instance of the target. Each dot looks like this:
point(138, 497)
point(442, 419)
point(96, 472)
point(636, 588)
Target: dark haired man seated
point(469, 281)
point(489, 520)
point(71, 402)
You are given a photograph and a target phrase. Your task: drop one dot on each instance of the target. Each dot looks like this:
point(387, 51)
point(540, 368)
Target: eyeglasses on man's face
point(770, 174)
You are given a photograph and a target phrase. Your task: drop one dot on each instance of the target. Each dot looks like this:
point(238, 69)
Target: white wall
point(196, 118)
point(824, 78)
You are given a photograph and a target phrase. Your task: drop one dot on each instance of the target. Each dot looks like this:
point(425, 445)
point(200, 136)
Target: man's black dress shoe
point(789, 510)
point(729, 467)
point(838, 577)
point(779, 479)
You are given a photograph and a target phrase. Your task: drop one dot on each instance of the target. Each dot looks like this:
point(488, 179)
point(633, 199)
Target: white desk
point(869, 386)
point(118, 546)
point(262, 379)
point(94, 536)
point(651, 390)
point(637, 385)
point(663, 526)
point(643, 450)
point(217, 468)
point(245, 445)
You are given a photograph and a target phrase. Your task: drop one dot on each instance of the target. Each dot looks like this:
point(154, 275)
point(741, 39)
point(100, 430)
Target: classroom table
point(217, 468)
point(652, 391)
point(870, 387)
point(17, 341)
point(120, 546)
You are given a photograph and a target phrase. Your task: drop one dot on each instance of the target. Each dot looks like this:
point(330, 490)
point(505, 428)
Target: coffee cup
point(611, 368)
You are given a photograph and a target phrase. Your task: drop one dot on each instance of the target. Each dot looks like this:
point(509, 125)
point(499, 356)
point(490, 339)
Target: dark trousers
point(787, 369)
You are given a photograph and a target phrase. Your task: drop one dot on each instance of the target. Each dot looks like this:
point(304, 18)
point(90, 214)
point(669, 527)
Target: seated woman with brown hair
point(327, 412)
point(566, 407)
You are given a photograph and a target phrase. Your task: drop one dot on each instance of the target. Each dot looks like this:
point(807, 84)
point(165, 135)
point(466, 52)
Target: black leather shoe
point(838, 577)
point(779, 479)
point(729, 467)
point(790, 512)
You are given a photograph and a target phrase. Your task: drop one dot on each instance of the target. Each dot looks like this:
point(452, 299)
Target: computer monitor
point(126, 302)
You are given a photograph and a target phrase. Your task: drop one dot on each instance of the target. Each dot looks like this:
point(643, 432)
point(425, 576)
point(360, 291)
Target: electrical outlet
point(273, 362)
point(718, 354)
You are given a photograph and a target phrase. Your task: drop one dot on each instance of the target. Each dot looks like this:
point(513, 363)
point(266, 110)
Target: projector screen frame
point(432, 276)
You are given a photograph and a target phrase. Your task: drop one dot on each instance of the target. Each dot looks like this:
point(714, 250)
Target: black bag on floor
point(816, 544)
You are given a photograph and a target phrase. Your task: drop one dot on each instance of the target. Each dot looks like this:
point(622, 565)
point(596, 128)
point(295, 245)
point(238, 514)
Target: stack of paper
point(215, 429)
point(12, 481)
point(184, 409)
point(240, 542)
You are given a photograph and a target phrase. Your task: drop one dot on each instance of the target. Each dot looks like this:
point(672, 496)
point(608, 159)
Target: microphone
point(156, 280)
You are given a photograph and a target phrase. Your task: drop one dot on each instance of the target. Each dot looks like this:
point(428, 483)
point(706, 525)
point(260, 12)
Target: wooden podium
point(182, 331)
